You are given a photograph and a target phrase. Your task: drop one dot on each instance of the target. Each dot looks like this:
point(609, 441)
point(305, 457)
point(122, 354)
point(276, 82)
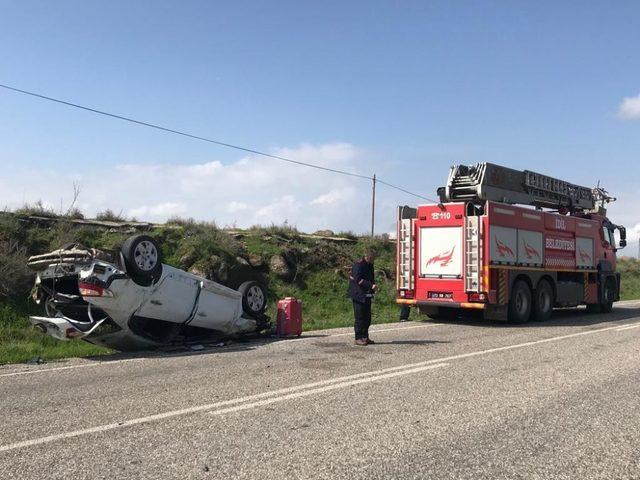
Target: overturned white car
point(129, 300)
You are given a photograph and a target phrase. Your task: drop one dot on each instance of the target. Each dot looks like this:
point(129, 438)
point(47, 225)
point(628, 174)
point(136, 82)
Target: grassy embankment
point(313, 270)
point(316, 272)
point(629, 268)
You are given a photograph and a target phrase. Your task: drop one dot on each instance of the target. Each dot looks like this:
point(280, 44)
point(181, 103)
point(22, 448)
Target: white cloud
point(334, 197)
point(629, 108)
point(161, 210)
point(252, 190)
point(234, 206)
point(278, 211)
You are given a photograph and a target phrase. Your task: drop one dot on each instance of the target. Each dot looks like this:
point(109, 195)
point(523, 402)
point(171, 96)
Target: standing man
point(405, 311)
point(362, 286)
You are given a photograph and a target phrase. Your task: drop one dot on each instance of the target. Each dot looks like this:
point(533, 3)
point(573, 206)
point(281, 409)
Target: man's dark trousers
point(362, 314)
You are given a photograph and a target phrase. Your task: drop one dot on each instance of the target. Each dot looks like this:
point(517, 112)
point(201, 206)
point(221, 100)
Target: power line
point(209, 140)
point(406, 191)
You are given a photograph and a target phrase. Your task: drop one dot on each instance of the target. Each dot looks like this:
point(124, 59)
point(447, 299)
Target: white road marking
point(628, 327)
point(114, 362)
point(69, 367)
point(328, 388)
point(253, 400)
point(342, 381)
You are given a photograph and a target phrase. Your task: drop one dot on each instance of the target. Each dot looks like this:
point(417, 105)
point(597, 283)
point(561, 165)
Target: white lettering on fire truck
point(560, 224)
point(440, 215)
point(560, 244)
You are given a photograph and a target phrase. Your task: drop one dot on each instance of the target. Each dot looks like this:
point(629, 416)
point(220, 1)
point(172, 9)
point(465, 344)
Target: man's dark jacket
point(361, 281)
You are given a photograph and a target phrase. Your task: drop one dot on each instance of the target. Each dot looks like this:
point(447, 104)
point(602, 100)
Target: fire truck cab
point(514, 244)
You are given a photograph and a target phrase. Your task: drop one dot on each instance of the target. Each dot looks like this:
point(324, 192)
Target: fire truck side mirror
point(623, 236)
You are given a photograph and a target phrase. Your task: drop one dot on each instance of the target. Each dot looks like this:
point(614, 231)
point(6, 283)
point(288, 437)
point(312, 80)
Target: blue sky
point(410, 87)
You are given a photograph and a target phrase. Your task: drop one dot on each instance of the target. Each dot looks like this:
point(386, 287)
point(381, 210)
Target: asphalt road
point(463, 399)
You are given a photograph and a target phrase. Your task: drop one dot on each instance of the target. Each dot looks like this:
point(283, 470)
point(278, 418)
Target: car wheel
point(254, 298)
point(142, 258)
point(543, 302)
point(520, 303)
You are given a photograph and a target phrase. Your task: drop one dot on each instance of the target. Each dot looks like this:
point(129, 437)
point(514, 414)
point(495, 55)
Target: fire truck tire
point(543, 301)
point(520, 303)
point(608, 296)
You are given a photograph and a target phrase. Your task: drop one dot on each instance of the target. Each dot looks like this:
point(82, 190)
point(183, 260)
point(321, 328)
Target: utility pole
point(373, 206)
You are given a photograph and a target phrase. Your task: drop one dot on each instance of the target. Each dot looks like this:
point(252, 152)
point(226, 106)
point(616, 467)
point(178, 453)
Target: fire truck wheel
point(520, 303)
point(609, 295)
point(543, 301)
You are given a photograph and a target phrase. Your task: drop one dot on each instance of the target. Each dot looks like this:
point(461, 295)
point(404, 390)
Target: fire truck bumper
point(435, 303)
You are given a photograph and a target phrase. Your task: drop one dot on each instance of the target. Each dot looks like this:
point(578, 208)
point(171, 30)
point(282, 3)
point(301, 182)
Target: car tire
point(520, 303)
point(254, 298)
point(543, 301)
point(142, 258)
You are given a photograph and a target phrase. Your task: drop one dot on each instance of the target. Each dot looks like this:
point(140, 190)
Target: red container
point(289, 320)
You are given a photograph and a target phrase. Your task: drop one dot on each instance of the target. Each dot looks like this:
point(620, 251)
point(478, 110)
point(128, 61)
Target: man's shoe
point(370, 342)
point(361, 342)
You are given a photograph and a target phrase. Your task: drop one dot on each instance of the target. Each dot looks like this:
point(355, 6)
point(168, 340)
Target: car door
point(174, 298)
point(219, 307)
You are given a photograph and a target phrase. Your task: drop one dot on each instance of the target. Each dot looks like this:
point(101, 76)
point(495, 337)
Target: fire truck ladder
point(473, 254)
point(487, 181)
point(404, 274)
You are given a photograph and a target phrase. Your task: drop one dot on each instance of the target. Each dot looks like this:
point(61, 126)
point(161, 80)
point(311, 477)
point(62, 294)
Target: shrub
point(110, 216)
point(37, 209)
point(10, 228)
point(15, 276)
point(348, 234)
point(285, 230)
point(75, 214)
point(190, 224)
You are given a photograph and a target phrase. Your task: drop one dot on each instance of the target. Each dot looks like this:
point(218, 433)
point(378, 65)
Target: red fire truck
point(514, 244)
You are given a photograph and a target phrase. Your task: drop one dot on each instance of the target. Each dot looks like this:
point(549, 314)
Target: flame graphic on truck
point(529, 251)
point(503, 249)
point(584, 256)
point(443, 258)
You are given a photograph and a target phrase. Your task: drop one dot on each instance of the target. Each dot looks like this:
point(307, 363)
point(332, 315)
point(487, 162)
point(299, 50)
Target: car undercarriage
point(128, 300)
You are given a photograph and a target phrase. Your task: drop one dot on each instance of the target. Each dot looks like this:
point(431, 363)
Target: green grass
point(320, 280)
point(325, 304)
point(629, 269)
point(20, 342)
